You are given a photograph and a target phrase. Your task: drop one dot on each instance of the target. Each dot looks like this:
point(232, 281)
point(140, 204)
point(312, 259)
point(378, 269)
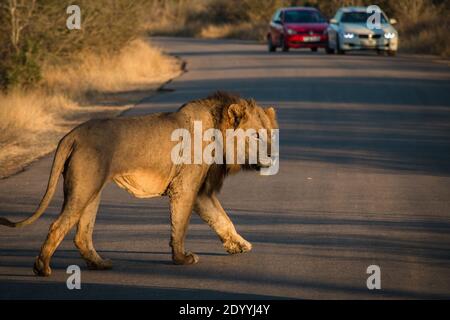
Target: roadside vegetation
point(423, 24)
point(53, 78)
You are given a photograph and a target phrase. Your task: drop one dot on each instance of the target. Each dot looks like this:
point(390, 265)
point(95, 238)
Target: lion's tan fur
point(135, 153)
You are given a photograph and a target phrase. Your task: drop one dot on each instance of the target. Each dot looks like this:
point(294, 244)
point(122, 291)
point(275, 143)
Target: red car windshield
point(303, 16)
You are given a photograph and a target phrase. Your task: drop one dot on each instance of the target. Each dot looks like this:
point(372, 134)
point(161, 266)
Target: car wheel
point(314, 49)
point(284, 45)
point(380, 52)
point(270, 45)
point(329, 50)
point(338, 46)
point(392, 53)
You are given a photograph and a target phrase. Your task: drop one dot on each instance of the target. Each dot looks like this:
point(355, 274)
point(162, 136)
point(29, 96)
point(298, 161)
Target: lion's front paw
point(40, 269)
point(237, 245)
point(188, 258)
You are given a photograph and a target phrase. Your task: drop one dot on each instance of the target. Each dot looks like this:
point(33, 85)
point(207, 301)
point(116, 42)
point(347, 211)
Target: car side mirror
point(392, 21)
point(334, 21)
point(278, 22)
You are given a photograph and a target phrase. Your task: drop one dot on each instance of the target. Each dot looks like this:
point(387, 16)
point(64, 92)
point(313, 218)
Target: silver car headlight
point(389, 35)
point(349, 35)
point(291, 32)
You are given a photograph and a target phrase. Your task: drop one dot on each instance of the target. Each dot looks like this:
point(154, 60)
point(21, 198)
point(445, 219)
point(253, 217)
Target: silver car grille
point(369, 36)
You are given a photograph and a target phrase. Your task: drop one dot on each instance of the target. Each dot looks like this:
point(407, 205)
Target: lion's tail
point(63, 152)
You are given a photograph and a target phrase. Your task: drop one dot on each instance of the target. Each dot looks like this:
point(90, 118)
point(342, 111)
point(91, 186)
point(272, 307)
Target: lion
point(134, 152)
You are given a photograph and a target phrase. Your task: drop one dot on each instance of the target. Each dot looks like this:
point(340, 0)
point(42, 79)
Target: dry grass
point(174, 18)
point(32, 122)
point(29, 121)
point(430, 41)
point(27, 112)
point(138, 65)
point(217, 31)
point(242, 31)
point(423, 27)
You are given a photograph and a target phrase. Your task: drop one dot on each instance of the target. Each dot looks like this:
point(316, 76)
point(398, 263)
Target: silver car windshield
point(359, 17)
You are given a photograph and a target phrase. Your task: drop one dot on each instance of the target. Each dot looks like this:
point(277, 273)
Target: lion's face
point(252, 118)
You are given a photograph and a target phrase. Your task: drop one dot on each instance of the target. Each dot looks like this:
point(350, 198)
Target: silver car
point(352, 28)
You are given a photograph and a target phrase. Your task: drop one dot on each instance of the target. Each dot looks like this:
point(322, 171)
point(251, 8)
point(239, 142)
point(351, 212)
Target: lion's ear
point(271, 113)
point(236, 112)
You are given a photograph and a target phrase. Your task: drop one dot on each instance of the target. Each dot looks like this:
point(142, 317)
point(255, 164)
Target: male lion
point(135, 153)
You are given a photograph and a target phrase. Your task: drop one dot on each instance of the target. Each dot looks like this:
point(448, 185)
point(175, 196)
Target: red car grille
point(309, 33)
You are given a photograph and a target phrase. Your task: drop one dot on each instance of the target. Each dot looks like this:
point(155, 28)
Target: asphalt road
point(364, 180)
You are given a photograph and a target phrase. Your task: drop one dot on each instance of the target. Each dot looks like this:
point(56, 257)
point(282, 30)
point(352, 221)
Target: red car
point(297, 27)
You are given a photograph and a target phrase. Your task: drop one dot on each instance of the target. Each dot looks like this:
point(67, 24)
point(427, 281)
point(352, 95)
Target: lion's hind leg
point(83, 238)
point(81, 188)
point(58, 230)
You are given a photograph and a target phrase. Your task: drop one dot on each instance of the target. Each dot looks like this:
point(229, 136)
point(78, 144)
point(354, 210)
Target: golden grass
point(242, 31)
point(32, 122)
point(21, 111)
point(216, 31)
point(28, 120)
point(423, 28)
point(173, 18)
point(138, 65)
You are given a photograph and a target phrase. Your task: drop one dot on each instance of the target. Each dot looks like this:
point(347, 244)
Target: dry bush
point(216, 31)
point(137, 65)
point(243, 31)
point(423, 26)
point(33, 33)
point(53, 77)
point(175, 17)
point(28, 112)
point(32, 121)
point(30, 126)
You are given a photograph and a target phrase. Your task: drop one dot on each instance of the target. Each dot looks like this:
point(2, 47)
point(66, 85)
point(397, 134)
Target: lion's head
point(257, 124)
